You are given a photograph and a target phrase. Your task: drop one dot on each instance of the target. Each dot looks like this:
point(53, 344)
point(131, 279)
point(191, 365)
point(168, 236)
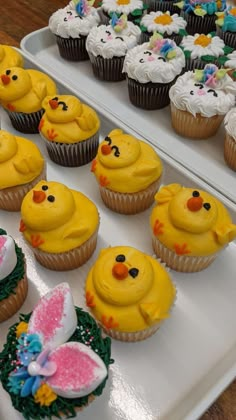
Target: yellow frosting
point(131, 303)
point(57, 219)
point(20, 160)
point(9, 57)
point(67, 120)
point(191, 221)
point(126, 164)
point(23, 90)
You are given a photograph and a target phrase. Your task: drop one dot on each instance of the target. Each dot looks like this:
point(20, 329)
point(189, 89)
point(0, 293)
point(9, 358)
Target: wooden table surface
point(20, 17)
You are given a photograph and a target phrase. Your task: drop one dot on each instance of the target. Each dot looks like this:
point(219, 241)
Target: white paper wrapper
point(10, 305)
point(230, 151)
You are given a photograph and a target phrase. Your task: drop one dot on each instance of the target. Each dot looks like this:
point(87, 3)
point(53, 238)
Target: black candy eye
point(207, 206)
point(147, 52)
point(117, 152)
point(8, 72)
point(102, 40)
point(120, 258)
point(108, 139)
point(14, 77)
point(55, 99)
point(108, 32)
point(162, 58)
point(51, 198)
point(212, 91)
point(191, 92)
point(133, 272)
point(195, 194)
point(141, 60)
point(44, 187)
point(200, 85)
point(119, 37)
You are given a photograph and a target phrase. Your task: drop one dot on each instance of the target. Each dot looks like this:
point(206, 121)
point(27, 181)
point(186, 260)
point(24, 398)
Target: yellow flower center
point(120, 2)
point(233, 11)
point(202, 40)
point(163, 19)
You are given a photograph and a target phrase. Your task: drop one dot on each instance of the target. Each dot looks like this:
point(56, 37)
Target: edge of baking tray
point(196, 401)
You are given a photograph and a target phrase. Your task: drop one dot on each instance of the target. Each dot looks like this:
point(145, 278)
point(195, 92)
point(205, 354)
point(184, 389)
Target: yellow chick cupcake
point(129, 293)
point(21, 94)
point(128, 171)
point(21, 167)
point(70, 130)
point(189, 227)
point(9, 57)
point(60, 225)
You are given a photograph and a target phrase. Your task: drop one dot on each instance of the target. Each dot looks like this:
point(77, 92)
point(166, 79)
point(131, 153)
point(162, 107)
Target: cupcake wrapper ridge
point(10, 305)
point(230, 151)
point(198, 24)
point(25, 123)
point(72, 49)
point(107, 69)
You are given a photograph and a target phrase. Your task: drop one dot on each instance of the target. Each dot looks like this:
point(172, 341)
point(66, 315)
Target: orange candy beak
point(53, 104)
point(106, 149)
point(5, 79)
point(38, 196)
point(195, 203)
point(120, 271)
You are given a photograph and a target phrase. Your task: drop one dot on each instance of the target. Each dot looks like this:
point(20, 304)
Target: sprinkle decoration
point(164, 47)
point(118, 23)
point(82, 7)
point(210, 75)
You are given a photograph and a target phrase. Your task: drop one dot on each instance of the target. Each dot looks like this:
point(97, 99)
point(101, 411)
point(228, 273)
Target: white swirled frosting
point(144, 65)
point(66, 23)
point(152, 21)
point(197, 48)
point(8, 258)
point(230, 123)
point(231, 62)
point(110, 6)
point(187, 94)
point(107, 43)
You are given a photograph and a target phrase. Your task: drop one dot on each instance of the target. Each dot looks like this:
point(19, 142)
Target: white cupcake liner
point(25, 123)
point(163, 6)
point(126, 203)
point(10, 305)
point(11, 198)
point(73, 154)
point(199, 24)
point(230, 151)
point(67, 260)
point(107, 69)
point(183, 263)
point(185, 124)
point(228, 37)
point(72, 49)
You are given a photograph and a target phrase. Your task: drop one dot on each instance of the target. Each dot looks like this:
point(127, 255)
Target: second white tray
point(203, 158)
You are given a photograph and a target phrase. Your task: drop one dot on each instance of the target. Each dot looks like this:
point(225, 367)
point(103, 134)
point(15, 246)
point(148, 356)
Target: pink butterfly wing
point(54, 317)
point(79, 370)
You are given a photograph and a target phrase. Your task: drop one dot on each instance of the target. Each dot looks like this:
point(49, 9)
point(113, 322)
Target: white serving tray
point(177, 373)
point(202, 157)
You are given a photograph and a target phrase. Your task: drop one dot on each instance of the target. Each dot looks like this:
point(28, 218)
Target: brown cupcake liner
point(197, 127)
point(10, 305)
point(75, 154)
point(199, 24)
point(197, 63)
point(230, 151)
point(162, 6)
point(126, 203)
point(145, 37)
point(228, 37)
point(107, 69)
point(183, 263)
point(149, 95)
point(11, 198)
point(72, 49)
point(67, 260)
point(25, 123)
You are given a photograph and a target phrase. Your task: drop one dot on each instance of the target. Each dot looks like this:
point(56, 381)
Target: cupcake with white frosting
point(199, 101)
point(133, 9)
point(230, 139)
point(169, 26)
point(71, 27)
point(107, 46)
point(151, 69)
point(201, 49)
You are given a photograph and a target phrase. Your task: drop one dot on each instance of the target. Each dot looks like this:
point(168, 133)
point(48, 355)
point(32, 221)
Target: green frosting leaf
point(208, 58)
point(227, 49)
point(61, 407)
point(182, 32)
point(212, 34)
point(137, 12)
point(234, 75)
point(143, 28)
point(187, 53)
point(222, 59)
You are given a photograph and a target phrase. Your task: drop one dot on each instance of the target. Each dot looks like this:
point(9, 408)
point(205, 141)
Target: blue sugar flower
point(29, 346)
point(23, 383)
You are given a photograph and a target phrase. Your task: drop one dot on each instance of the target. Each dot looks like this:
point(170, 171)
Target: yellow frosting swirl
point(67, 120)
point(9, 57)
point(20, 160)
point(191, 221)
point(23, 90)
point(140, 297)
point(126, 164)
point(57, 219)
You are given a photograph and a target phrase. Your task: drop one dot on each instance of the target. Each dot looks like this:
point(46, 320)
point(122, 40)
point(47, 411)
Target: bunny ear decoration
point(79, 370)
point(54, 317)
